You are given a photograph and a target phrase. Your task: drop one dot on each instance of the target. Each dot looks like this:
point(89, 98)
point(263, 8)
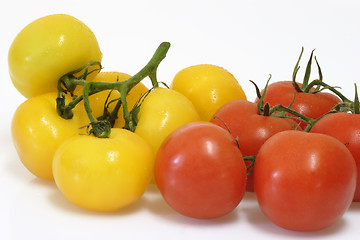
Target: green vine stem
point(347, 106)
point(356, 102)
point(282, 109)
point(68, 82)
point(250, 167)
point(318, 82)
point(123, 87)
point(263, 108)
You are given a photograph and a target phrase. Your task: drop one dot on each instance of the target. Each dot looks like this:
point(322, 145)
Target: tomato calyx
point(100, 129)
point(100, 126)
point(279, 110)
point(312, 87)
point(346, 106)
point(308, 87)
point(263, 108)
point(356, 102)
point(276, 111)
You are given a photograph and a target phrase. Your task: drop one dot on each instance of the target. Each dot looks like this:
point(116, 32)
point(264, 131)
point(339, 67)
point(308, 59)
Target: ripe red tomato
point(200, 171)
point(346, 128)
point(252, 129)
point(304, 181)
point(312, 105)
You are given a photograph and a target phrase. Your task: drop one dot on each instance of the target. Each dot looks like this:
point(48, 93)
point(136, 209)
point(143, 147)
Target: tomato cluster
point(102, 137)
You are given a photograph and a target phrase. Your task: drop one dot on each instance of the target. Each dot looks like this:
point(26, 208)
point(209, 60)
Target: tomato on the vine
point(208, 87)
point(304, 181)
point(312, 105)
point(103, 174)
point(47, 49)
point(346, 128)
point(250, 127)
point(37, 131)
point(306, 98)
point(200, 171)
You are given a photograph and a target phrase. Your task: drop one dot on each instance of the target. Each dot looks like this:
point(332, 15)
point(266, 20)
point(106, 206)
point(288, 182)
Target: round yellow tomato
point(161, 112)
point(104, 174)
point(37, 131)
point(47, 49)
point(209, 87)
point(97, 101)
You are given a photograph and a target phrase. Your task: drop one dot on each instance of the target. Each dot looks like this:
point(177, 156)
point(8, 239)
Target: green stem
point(263, 109)
point(320, 74)
point(321, 83)
point(122, 87)
point(307, 72)
point(356, 102)
point(252, 159)
point(280, 108)
point(295, 71)
point(86, 67)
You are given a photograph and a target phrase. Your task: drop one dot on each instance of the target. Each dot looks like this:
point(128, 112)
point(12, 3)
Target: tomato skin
point(251, 129)
point(346, 128)
point(37, 131)
point(200, 172)
point(103, 174)
point(162, 111)
point(47, 49)
point(308, 104)
point(304, 181)
point(208, 87)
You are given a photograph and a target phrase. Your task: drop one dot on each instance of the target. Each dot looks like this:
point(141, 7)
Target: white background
point(251, 39)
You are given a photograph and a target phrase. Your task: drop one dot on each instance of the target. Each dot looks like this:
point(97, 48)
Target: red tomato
point(312, 105)
point(304, 181)
point(252, 129)
point(346, 128)
point(200, 171)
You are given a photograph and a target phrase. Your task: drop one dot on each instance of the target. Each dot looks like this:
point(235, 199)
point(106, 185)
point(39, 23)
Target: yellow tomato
point(161, 112)
point(97, 101)
point(37, 131)
point(47, 49)
point(104, 174)
point(209, 87)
